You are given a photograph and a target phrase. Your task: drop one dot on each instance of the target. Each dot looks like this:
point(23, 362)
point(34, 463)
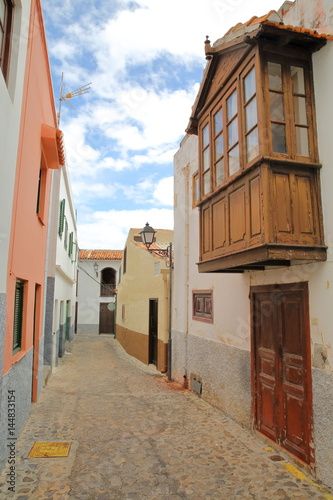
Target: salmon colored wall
point(28, 233)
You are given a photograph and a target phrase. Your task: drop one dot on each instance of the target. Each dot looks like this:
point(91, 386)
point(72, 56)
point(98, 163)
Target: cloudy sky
point(145, 59)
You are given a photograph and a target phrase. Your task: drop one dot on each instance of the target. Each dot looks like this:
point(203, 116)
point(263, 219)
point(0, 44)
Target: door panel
point(265, 318)
point(282, 369)
point(106, 319)
point(153, 331)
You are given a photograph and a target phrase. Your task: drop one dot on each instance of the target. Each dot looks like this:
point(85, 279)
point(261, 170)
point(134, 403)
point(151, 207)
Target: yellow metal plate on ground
point(50, 450)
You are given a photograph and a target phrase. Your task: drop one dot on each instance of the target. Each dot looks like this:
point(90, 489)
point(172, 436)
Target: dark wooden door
point(282, 367)
point(153, 331)
point(106, 319)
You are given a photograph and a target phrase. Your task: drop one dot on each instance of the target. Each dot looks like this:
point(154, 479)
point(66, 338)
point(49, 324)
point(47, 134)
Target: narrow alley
point(133, 435)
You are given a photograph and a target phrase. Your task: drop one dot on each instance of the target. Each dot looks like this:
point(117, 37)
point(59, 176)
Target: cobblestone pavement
point(136, 436)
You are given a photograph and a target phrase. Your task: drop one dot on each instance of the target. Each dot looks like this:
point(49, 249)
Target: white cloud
point(163, 194)
point(134, 117)
point(109, 229)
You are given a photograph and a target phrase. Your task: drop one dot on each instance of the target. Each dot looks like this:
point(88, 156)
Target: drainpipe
point(170, 314)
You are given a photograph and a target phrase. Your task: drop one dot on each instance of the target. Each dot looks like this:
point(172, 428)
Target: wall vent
point(197, 386)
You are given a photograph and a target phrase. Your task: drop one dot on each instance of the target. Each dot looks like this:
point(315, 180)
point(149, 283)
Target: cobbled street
point(134, 435)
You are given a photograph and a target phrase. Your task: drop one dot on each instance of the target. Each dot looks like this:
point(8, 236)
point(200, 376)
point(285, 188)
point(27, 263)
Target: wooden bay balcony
point(270, 216)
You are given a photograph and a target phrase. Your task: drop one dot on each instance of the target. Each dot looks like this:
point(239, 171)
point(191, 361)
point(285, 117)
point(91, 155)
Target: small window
point(6, 23)
point(41, 193)
point(157, 269)
point(203, 305)
point(18, 316)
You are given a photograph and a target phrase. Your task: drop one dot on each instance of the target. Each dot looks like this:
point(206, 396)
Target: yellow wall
point(139, 284)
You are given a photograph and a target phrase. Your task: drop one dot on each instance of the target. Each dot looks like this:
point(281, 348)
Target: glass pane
point(232, 106)
point(297, 78)
point(206, 159)
point(252, 145)
point(251, 114)
point(302, 144)
point(206, 183)
point(205, 136)
point(278, 138)
point(276, 103)
point(300, 110)
point(218, 122)
point(233, 133)
point(218, 147)
point(219, 172)
point(2, 12)
point(1, 38)
point(233, 160)
point(274, 76)
point(249, 85)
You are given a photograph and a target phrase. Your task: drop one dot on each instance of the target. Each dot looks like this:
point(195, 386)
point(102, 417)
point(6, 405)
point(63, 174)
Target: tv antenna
point(65, 96)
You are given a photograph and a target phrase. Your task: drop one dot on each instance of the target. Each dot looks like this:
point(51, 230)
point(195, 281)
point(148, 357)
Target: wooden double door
point(282, 394)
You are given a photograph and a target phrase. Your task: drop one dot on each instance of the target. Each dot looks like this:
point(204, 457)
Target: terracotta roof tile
point(100, 254)
point(271, 19)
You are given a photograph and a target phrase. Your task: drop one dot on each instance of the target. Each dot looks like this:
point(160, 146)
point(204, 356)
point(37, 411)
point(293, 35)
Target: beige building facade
point(142, 325)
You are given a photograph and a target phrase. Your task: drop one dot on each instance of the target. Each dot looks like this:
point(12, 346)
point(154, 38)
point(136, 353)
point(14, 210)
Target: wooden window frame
point(235, 85)
point(286, 63)
point(206, 312)
point(6, 28)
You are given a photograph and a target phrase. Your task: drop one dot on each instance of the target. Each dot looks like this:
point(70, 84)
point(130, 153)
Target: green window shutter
point(61, 218)
point(66, 234)
point(18, 316)
point(70, 245)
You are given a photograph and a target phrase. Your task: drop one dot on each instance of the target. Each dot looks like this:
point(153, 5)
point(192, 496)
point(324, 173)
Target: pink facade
point(37, 156)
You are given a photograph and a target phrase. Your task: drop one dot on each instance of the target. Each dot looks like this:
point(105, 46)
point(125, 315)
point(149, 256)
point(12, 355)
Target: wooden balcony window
point(260, 202)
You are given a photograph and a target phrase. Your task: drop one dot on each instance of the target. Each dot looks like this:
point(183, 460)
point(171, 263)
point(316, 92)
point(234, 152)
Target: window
point(218, 148)
point(70, 244)
point(229, 135)
point(61, 218)
point(232, 132)
point(203, 305)
point(41, 193)
point(290, 107)
point(205, 160)
point(6, 22)
point(108, 282)
point(18, 316)
point(251, 117)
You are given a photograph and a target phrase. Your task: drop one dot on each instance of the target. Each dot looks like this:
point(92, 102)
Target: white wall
point(10, 115)
point(89, 293)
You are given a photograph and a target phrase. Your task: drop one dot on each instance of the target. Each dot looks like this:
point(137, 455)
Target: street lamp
point(147, 236)
point(96, 266)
